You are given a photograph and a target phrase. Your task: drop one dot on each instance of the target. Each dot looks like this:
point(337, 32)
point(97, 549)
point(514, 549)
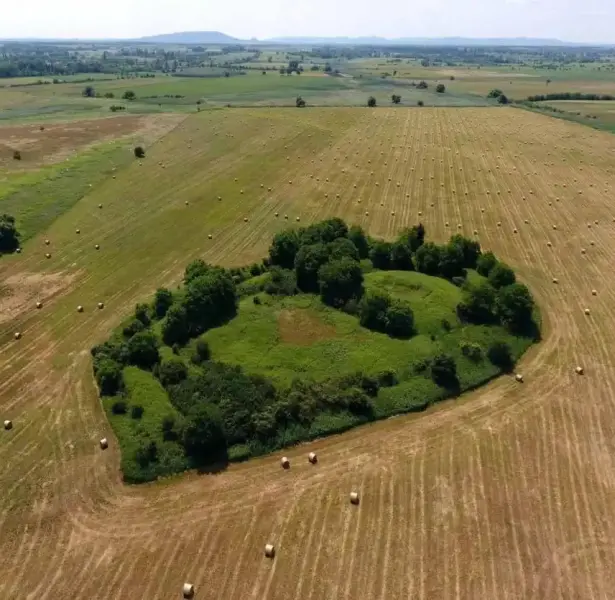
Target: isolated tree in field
point(340, 281)
point(440, 88)
point(9, 236)
point(514, 306)
point(293, 65)
point(129, 95)
point(357, 236)
point(328, 68)
point(163, 300)
point(420, 103)
point(502, 99)
point(139, 152)
point(16, 155)
point(300, 102)
point(88, 92)
point(371, 102)
point(501, 275)
point(373, 311)
point(282, 70)
point(395, 98)
point(400, 320)
point(422, 85)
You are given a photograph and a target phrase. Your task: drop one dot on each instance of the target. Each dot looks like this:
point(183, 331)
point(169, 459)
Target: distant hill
point(191, 37)
point(445, 41)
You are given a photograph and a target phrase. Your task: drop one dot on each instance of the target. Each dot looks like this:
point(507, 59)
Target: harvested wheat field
point(507, 493)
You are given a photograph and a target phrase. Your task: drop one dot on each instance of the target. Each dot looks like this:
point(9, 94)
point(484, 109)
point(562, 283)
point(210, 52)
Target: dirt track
point(506, 494)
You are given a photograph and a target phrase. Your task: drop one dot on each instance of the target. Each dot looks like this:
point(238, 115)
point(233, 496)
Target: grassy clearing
point(142, 389)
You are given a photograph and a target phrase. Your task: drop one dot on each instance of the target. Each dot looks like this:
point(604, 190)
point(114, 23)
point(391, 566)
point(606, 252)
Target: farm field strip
point(502, 494)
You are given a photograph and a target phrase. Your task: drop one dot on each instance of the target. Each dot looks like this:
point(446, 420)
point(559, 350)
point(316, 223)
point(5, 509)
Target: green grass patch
point(37, 198)
point(143, 389)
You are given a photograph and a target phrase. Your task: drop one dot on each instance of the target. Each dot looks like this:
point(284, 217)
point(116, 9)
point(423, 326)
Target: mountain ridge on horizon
point(217, 37)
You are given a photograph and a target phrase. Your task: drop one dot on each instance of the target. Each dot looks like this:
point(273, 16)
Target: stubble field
point(506, 493)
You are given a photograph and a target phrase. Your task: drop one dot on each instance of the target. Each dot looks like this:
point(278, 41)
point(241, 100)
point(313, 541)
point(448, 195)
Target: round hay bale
point(269, 550)
point(186, 202)
point(80, 308)
point(18, 250)
point(285, 462)
point(366, 213)
point(104, 444)
point(555, 280)
point(77, 231)
point(579, 370)
point(587, 311)
point(582, 250)
point(354, 497)
point(594, 292)
point(241, 191)
point(17, 335)
point(245, 219)
point(515, 231)
point(526, 221)
point(8, 424)
point(392, 213)
point(47, 242)
point(47, 255)
point(519, 377)
point(100, 205)
point(219, 198)
point(298, 219)
point(499, 224)
point(446, 224)
point(188, 590)
point(39, 305)
point(313, 458)
point(97, 247)
point(101, 305)
point(209, 236)
point(549, 244)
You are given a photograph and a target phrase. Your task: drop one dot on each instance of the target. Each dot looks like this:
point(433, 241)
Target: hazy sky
point(571, 20)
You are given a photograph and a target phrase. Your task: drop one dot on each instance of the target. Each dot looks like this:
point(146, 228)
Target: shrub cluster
point(569, 96)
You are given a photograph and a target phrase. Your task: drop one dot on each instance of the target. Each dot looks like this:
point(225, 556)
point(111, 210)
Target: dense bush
point(500, 355)
point(401, 256)
point(357, 236)
point(9, 236)
point(282, 282)
point(400, 320)
point(108, 375)
point(172, 372)
point(284, 248)
point(136, 411)
point(380, 254)
point(514, 306)
point(175, 327)
point(444, 371)
point(163, 300)
point(427, 258)
point(139, 152)
point(485, 263)
point(501, 275)
point(378, 312)
point(340, 281)
point(201, 352)
point(478, 304)
point(143, 350)
point(308, 261)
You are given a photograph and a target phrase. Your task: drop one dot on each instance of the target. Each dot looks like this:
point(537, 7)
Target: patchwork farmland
point(505, 493)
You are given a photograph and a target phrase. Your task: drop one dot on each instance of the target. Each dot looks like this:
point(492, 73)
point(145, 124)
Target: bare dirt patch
point(21, 292)
point(303, 327)
point(52, 142)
